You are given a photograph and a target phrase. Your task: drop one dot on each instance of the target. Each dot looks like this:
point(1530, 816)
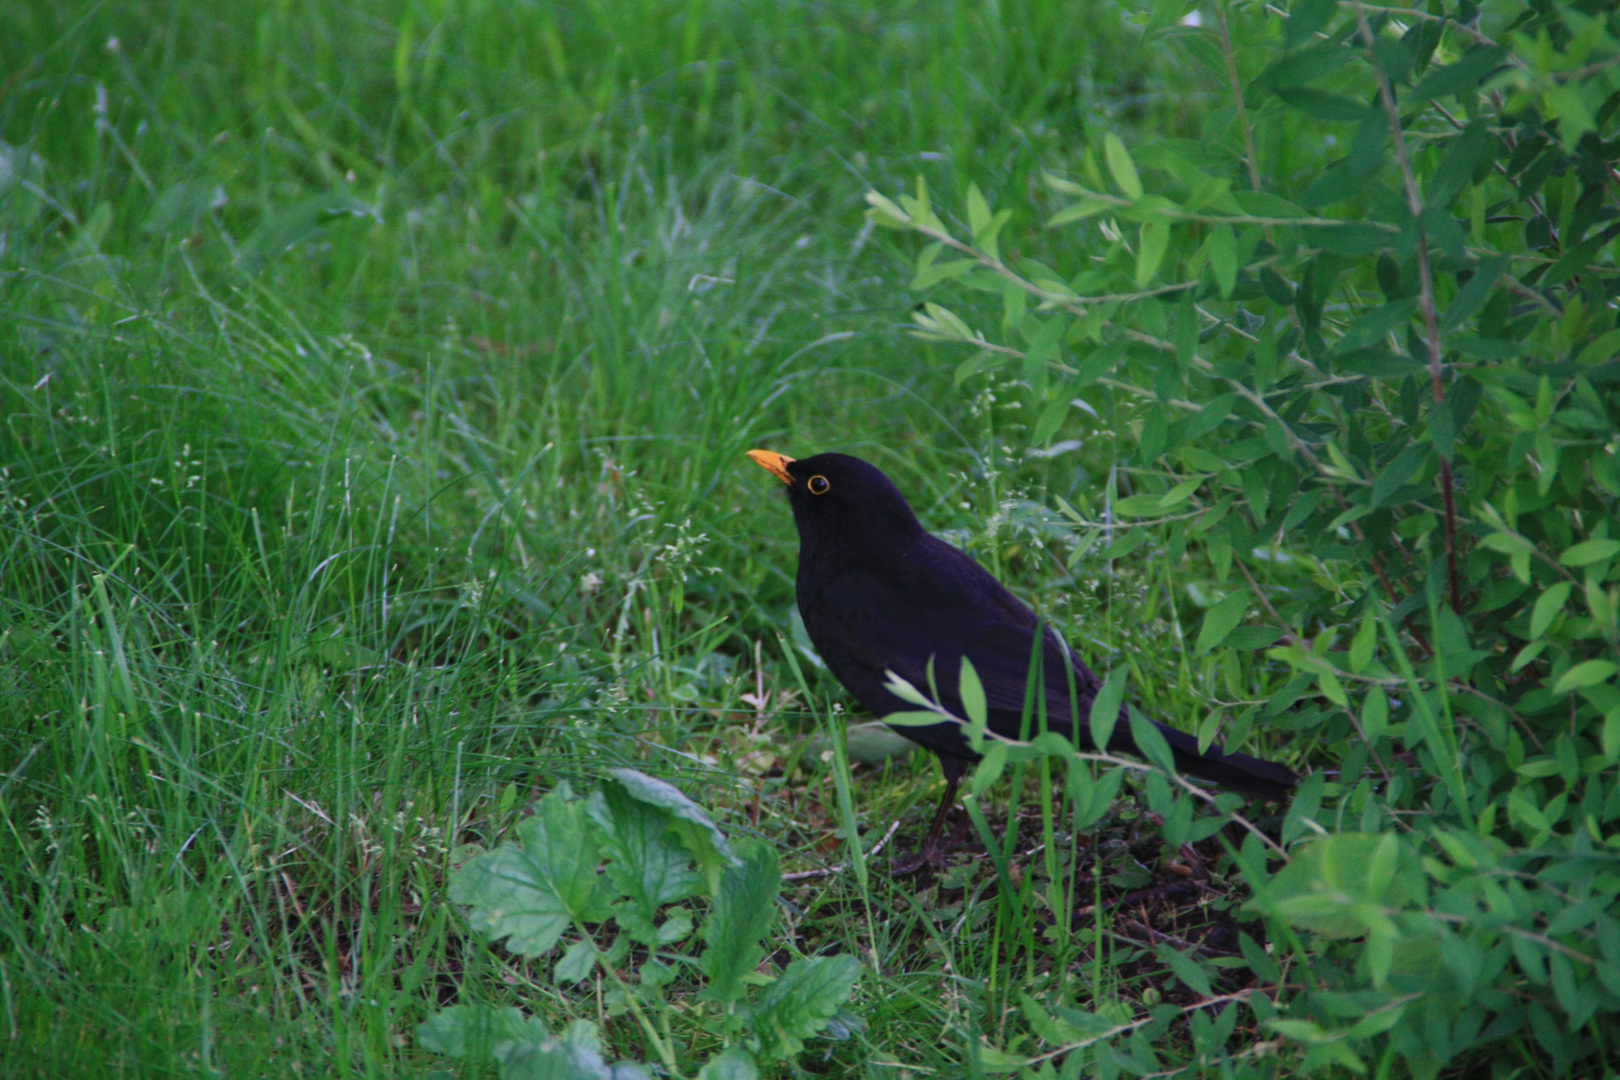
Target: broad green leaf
point(473, 1031)
point(702, 835)
point(735, 1063)
point(1548, 607)
point(741, 915)
point(1220, 620)
point(577, 963)
point(531, 895)
point(1105, 708)
point(647, 863)
point(1585, 674)
point(1121, 166)
point(800, 1002)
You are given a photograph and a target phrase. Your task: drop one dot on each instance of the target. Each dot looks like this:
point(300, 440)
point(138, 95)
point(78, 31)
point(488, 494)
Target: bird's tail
point(1236, 772)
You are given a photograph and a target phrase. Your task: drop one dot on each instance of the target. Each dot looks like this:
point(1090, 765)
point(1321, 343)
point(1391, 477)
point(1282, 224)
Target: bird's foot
point(931, 854)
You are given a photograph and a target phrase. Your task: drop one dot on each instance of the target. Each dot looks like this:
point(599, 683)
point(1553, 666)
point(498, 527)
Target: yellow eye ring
point(818, 485)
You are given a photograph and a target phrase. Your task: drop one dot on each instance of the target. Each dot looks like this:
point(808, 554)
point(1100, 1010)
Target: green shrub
point(1363, 336)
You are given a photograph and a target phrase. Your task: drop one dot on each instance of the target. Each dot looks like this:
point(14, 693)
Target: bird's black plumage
point(878, 593)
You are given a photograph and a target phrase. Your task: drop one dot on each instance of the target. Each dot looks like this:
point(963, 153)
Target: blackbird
point(880, 594)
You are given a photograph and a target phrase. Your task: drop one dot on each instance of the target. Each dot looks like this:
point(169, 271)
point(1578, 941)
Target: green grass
point(330, 540)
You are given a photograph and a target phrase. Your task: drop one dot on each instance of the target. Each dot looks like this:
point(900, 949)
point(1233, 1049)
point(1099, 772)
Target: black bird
point(880, 594)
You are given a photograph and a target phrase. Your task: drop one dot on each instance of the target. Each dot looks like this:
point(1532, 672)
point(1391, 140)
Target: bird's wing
point(939, 604)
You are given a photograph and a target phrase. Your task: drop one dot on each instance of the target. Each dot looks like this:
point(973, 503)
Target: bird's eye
point(818, 485)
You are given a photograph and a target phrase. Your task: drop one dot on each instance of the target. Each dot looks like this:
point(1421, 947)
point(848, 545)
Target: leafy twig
point(1431, 323)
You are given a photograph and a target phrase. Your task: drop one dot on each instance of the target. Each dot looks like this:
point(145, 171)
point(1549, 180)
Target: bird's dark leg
point(932, 852)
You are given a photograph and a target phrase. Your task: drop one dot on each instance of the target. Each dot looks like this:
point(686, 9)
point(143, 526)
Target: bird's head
point(841, 504)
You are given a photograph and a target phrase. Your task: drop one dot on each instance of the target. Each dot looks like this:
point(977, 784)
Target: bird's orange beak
point(773, 463)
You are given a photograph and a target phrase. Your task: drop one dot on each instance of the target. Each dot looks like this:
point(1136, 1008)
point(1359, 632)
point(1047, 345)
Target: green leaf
point(699, 831)
point(1352, 238)
point(1548, 607)
point(1362, 646)
point(1590, 551)
point(1105, 708)
point(979, 217)
point(1187, 970)
point(1121, 166)
point(989, 769)
point(1305, 19)
point(1263, 204)
point(531, 895)
point(913, 717)
point(1585, 674)
point(742, 914)
point(1303, 66)
point(1151, 743)
point(1220, 620)
point(799, 1004)
point(1155, 243)
point(577, 963)
point(885, 212)
point(1144, 505)
point(1375, 714)
point(1209, 417)
point(473, 1031)
point(1223, 257)
point(1472, 296)
point(1373, 327)
point(1398, 472)
point(1087, 206)
point(735, 1063)
point(1050, 420)
point(971, 691)
point(1465, 74)
point(1605, 347)
point(1323, 106)
point(646, 861)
